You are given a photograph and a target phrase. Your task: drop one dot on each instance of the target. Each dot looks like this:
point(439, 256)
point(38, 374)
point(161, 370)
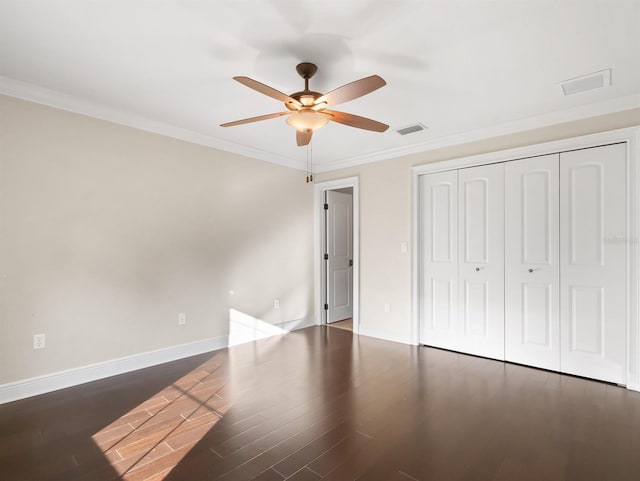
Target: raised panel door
point(438, 246)
point(481, 260)
point(532, 304)
point(594, 243)
point(340, 254)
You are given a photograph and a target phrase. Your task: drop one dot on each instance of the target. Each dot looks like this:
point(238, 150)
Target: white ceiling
point(463, 68)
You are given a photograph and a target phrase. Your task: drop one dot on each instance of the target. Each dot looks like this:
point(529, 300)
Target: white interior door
point(340, 256)
point(532, 304)
point(593, 253)
point(439, 259)
point(481, 260)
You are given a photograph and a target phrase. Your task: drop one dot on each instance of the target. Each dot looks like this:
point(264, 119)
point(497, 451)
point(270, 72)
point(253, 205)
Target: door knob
point(530, 270)
point(477, 269)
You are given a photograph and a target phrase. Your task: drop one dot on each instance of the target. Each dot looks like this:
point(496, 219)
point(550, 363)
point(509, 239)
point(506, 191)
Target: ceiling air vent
point(411, 129)
point(590, 81)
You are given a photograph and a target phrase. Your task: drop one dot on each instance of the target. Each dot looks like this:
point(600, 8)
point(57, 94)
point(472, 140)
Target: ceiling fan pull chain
point(308, 173)
point(311, 161)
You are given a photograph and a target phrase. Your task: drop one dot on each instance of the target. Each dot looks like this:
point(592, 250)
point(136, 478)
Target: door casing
point(319, 228)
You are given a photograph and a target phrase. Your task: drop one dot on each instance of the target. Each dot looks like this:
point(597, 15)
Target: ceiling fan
point(308, 111)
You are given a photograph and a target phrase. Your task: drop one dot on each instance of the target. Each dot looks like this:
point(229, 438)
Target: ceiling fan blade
point(255, 119)
point(266, 90)
point(353, 90)
point(356, 121)
point(303, 137)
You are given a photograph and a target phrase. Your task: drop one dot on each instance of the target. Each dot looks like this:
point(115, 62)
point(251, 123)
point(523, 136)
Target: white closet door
point(532, 304)
point(439, 259)
point(481, 260)
point(593, 255)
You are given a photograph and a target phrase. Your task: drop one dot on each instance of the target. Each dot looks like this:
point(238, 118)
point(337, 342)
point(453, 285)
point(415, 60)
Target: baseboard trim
point(385, 335)
point(34, 386)
point(633, 386)
point(297, 324)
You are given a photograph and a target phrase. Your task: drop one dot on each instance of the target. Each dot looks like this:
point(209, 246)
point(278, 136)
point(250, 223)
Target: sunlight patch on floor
point(151, 439)
point(147, 442)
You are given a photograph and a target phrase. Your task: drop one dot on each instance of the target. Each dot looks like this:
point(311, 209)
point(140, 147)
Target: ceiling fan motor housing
point(306, 70)
point(306, 97)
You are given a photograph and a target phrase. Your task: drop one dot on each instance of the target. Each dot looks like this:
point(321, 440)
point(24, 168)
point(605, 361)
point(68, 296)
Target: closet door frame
point(629, 136)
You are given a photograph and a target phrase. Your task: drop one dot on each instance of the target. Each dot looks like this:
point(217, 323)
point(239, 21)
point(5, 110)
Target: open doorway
point(338, 257)
point(337, 253)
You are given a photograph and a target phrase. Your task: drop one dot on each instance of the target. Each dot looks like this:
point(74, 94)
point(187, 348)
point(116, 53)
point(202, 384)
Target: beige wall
point(385, 217)
point(107, 233)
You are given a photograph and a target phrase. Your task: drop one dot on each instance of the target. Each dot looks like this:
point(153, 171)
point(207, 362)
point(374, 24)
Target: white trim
point(633, 338)
point(59, 100)
point(384, 335)
point(631, 136)
point(415, 249)
point(72, 377)
point(536, 150)
point(318, 227)
point(530, 123)
point(296, 324)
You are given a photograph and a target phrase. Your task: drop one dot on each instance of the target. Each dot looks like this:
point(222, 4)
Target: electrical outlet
point(387, 307)
point(38, 341)
point(276, 303)
point(182, 318)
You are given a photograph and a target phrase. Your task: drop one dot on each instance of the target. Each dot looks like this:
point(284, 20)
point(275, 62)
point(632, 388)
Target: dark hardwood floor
point(346, 324)
point(321, 403)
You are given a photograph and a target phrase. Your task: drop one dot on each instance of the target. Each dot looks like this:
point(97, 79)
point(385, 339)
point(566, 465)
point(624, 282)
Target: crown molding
point(59, 100)
point(52, 98)
point(530, 123)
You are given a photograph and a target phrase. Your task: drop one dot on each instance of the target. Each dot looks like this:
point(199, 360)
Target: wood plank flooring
point(347, 324)
point(321, 403)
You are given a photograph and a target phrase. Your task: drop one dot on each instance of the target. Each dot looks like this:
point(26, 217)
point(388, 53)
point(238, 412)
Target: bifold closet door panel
point(532, 304)
point(439, 259)
point(593, 255)
point(481, 260)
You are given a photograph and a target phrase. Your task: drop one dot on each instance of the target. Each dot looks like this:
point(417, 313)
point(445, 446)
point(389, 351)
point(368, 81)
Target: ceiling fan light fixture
point(305, 120)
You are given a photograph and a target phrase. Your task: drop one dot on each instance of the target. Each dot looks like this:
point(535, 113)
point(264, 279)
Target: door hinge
point(326, 257)
point(326, 307)
point(326, 207)
point(350, 262)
